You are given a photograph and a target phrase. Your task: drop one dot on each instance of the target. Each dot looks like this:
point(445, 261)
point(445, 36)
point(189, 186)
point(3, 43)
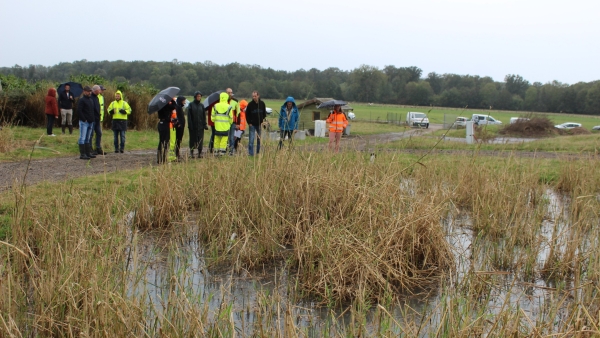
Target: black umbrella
point(332, 103)
point(161, 99)
point(212, 99)
point(76, 88)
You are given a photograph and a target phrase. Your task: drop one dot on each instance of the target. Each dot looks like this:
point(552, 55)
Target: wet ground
point(63, 168)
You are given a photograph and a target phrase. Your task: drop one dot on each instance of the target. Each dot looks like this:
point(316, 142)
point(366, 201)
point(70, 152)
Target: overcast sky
point(539, 40)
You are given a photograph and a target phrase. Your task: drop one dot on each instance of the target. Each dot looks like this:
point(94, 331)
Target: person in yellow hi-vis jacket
point(119, 110)
point(222, 116)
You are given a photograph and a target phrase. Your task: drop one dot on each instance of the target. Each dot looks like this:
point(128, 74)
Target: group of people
point(228, 120)
point(90, 109)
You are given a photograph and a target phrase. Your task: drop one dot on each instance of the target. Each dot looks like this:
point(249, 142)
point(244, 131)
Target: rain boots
point(63, 129)
point(70, 129)
point(82, 154)
point(88, 151)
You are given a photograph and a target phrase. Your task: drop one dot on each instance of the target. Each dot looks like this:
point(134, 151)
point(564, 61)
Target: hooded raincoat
point(288, 120)
point(119, 110)
point(51, 103)
point(196, 119)
point(222, 116)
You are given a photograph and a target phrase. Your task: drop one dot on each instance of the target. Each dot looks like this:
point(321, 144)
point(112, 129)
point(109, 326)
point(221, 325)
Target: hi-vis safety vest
point(222, 120)
point(337, 122)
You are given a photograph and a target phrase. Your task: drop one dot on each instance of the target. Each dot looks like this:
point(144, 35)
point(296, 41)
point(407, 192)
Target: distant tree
point(515, 84)
point(592, 103)
point(419, 93)
point(489, 95)
point(435, 82)
point(366, 83)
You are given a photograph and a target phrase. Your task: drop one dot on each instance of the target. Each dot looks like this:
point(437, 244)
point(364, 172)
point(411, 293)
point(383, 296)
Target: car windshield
point(419, 115)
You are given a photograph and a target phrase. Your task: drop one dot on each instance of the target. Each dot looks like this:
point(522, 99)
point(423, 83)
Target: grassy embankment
point(346, 230)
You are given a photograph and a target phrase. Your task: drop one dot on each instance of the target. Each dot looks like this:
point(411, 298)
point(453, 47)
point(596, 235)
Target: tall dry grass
point(346, 230)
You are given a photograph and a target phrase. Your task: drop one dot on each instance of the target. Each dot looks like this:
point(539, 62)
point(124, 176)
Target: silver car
point(568, 125)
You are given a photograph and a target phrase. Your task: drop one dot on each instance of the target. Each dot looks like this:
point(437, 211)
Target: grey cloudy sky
point(539, 40)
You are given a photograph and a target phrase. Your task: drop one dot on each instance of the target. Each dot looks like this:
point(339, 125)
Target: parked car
point(351, 116)
point(518, 119)
point(593, 128)
point(568, 125)
point(481, 119)
point(461, 121)
point(416, 119)
point(269, 111)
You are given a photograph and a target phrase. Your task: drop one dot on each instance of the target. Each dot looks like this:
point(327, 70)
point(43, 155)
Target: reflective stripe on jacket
point(222, 115)
point(337, 122)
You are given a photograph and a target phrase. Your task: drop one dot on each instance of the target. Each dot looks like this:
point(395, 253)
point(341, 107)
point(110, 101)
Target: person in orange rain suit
point(337, 122)
point(241, 122)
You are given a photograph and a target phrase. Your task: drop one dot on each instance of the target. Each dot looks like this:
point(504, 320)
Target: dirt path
point(63, 168)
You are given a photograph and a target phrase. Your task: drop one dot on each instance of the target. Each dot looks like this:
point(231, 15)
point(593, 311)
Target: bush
point(536, 126)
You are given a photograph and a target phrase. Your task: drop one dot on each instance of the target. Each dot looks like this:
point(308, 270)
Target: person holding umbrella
point(288, 120)
point(120, 110)
point(164, 130)
point(196, 124)
point(337, 122)
point(222, 117)
point(51, 110)
point(180, 126)
point(65, 102)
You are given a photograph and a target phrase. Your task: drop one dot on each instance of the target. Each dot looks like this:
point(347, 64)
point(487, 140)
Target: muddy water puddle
point(169, 263)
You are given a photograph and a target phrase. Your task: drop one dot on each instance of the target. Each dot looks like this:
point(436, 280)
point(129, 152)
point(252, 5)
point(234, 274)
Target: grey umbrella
point(161, 99)
point(332, 103)
point(212, 99)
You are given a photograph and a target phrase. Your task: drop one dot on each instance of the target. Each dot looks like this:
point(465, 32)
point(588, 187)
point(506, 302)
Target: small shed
point(309, 112)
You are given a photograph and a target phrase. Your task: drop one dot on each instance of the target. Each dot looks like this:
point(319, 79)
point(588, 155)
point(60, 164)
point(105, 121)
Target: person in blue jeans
point(256, 112)
point(85, 110)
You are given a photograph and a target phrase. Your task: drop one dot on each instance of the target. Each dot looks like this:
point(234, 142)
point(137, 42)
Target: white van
point(481, 119)
point(416, 119)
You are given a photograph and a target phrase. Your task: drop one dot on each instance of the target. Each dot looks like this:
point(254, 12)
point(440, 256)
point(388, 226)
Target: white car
point(351, 116)
point(593, 128)
point(269, 111)
point(518, 119)
point(461, 121)
point(568, 125)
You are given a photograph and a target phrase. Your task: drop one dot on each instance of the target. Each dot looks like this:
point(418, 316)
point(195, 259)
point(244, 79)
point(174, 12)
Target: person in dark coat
point(256, 112)
point(180, 126)
point(65, 103)
point(85, 110)
point(196, 124)
point(164, 132)
point(51, 110)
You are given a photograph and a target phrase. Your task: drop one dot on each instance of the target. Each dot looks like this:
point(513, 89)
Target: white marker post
point(470, 132)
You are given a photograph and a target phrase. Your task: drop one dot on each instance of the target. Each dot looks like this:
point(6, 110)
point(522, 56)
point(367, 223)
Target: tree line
point(392, 85)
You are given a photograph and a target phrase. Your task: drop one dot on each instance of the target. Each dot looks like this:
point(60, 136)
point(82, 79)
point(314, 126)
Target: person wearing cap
point(180, 125)
point(85, 110)
point(235, 109)
point(196, 115)
point(65, 103)
point(120, 110)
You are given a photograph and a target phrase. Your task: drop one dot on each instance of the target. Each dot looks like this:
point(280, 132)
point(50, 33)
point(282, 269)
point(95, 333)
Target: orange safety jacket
point(242, 116)
point(337, 122)
point(173, 116)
